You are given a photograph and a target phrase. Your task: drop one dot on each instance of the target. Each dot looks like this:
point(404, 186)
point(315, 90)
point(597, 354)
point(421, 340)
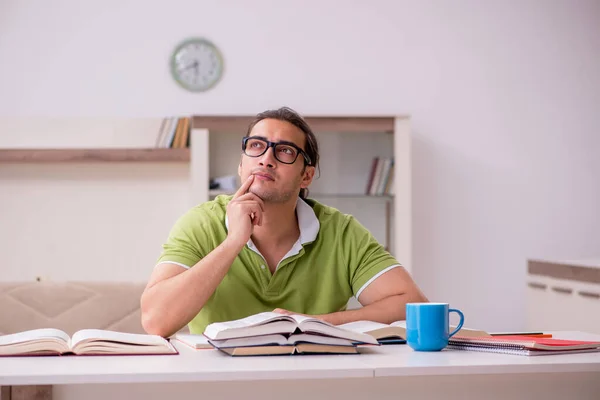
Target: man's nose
point(268, 158)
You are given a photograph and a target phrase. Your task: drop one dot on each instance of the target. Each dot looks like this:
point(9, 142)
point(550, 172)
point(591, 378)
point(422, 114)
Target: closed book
point(281, 344)
point(526, 345)
point(301, 348)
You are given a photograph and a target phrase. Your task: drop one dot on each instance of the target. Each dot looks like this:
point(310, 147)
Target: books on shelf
point(522, 345)
point(381, 177)
point(174, 133)
point(272, 333)
point(49, 341)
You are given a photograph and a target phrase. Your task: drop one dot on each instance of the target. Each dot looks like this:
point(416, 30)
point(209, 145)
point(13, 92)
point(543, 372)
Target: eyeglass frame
point(273, 145)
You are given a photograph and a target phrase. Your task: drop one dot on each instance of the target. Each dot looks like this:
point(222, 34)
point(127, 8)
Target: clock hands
point(194, 65)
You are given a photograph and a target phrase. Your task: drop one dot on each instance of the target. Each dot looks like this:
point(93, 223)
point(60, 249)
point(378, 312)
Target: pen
point(531, 334)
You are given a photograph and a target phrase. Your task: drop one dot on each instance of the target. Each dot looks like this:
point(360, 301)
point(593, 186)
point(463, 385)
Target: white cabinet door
point(557, 304)
point(539, 310)
point(587, 306)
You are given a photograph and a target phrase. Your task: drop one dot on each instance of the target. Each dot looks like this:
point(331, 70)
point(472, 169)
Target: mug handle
point(460, 324)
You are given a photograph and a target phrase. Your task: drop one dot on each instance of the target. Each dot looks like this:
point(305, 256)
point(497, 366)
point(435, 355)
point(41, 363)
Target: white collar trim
point(307, 222)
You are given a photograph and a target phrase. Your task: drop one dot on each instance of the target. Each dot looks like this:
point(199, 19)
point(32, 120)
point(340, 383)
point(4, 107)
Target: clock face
point(196, 64)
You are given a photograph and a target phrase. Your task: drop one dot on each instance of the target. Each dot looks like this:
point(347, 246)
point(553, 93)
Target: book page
point(468, 332)
point(257, 319)
point(33, 335)
point(318, 339)
point(117, 337)
point(305, 319)
point(363, 326)
point(312, 348)
point(336, 331)
point(259, 350)
point(251, 341)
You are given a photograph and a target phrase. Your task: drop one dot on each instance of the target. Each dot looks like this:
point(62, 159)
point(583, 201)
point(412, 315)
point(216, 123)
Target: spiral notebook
point(523, 345)
point(517, 351)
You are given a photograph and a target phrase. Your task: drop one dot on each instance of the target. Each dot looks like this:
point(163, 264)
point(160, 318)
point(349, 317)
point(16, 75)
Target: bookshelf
point(93, 161)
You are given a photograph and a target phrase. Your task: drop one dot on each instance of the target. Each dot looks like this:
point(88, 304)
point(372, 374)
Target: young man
point(268, 247)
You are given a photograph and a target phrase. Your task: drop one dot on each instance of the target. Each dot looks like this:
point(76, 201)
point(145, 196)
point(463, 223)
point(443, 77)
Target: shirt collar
point(307, 222)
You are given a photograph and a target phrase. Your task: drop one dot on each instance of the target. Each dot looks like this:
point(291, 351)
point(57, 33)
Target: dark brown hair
point(288, 115)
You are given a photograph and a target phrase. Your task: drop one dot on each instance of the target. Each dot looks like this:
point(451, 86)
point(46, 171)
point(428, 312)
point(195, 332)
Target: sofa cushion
point(70, 306)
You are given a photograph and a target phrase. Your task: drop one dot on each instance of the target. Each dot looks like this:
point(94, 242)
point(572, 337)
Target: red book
point(528, 342)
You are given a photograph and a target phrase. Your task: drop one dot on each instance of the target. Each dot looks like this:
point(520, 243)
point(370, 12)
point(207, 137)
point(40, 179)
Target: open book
point(269, 323)
point(395, 333)
point(49, 341)
point(384, 334)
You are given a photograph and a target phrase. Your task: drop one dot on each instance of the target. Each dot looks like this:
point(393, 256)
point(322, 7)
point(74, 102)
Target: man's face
point(275, 181)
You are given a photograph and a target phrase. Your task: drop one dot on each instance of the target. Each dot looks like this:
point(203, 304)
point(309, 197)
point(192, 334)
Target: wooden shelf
point(350, 195)
point(216, 192)
point(318, 124)
point(93, 155)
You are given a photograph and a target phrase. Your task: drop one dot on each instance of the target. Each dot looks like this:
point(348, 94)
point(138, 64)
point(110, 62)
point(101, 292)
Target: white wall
point(91, 221)
point(504, 98)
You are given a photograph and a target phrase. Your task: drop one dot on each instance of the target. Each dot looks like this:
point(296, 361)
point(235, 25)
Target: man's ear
point(307, 177)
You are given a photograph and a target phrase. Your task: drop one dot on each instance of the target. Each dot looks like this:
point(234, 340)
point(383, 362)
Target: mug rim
point(427, 304)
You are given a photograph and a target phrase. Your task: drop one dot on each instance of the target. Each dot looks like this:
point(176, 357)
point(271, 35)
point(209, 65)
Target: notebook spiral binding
point(492, 349)
point(496, 345)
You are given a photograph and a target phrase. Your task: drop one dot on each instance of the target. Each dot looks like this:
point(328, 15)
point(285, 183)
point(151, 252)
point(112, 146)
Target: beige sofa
point(70, 306)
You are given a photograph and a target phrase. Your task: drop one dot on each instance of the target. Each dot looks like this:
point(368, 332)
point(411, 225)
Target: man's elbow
point(154, 323)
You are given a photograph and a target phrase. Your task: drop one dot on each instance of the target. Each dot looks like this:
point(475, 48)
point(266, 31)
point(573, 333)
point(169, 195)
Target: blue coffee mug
point(427, 325)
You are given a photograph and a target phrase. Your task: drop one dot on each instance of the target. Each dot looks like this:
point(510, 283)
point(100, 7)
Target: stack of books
point(272, 333)
point(522, 345)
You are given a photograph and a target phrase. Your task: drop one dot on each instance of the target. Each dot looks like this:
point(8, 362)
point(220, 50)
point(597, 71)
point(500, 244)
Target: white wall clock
point(196, 64)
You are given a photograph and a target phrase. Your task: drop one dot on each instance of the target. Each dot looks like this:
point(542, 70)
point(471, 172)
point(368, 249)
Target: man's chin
point(268, 196)
point(262, 194)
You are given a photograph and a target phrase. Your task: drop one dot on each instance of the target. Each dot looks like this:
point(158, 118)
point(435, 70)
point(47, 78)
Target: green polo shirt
point(334, 259)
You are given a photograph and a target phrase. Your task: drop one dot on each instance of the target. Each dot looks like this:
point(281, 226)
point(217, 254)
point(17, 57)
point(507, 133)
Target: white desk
point(379, 373)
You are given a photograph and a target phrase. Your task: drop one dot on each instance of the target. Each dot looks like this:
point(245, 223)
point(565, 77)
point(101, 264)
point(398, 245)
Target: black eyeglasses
point(285, 152)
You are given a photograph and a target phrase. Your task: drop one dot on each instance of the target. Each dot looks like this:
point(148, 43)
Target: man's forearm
point(386, 311)
point(170, 304)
